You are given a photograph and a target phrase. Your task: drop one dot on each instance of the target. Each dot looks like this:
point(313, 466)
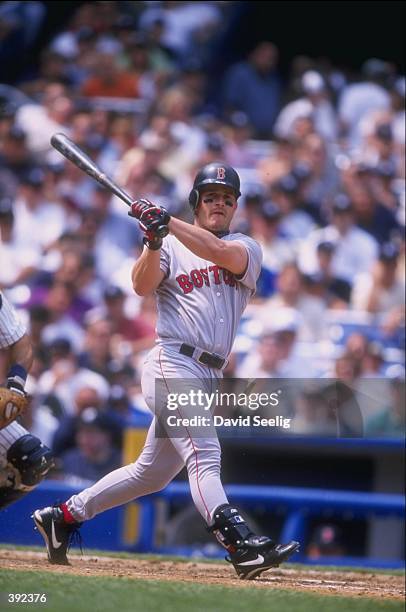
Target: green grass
point(67, 593)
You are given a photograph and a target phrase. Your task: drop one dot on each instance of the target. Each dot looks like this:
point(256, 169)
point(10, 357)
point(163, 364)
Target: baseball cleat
point(56, 532)
point(259, 555)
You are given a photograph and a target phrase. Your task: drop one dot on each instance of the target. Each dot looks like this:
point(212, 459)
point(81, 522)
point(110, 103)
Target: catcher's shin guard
point(8, 496)
point(31, 458)
point(250, 554)
point(28, 462)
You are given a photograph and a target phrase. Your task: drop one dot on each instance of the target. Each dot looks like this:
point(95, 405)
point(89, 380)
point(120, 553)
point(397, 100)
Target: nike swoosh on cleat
point(55, 542)
point(259, 559)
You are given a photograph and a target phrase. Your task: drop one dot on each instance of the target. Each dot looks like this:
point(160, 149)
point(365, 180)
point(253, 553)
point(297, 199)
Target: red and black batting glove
point(155, 227)
point(153, 219)
point(144, 210)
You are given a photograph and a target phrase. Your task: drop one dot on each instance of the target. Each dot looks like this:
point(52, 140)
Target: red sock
point(67, 516)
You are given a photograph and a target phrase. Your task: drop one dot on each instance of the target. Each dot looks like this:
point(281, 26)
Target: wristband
point(16, 377)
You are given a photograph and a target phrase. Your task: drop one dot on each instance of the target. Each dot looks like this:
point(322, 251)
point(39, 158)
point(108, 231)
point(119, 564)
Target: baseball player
point(203, 276)
point(24, 460)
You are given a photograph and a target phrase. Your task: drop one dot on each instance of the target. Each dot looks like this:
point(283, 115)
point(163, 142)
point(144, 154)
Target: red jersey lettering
point(205, 274)
point(197, 278)
point(184, 283)
point(229, 278)
point(216, 274)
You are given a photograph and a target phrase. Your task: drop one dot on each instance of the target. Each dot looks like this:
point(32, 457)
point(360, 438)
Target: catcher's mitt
point(12, 404)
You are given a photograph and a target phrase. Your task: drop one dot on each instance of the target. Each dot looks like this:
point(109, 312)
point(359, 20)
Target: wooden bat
point(71, 151)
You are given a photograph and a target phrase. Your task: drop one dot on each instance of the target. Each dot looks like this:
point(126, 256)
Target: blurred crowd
point(321, 157)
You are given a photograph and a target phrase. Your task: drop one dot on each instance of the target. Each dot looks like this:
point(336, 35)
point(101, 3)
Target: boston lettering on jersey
point(205, 276)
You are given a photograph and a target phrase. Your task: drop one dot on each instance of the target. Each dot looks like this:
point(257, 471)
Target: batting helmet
point(215, 173)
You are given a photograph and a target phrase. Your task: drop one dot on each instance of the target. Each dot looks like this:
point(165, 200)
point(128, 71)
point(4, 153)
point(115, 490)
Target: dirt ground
point(350, 584)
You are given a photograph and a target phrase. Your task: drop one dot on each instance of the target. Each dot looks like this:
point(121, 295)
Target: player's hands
point(150, 216)
point(153, 221)
point(142, 207)
point(13, 402)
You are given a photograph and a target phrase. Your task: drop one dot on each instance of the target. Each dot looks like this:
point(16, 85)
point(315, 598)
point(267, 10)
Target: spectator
point(267, 360)
point(85, 19)
point(372, 364)
point(364, 188)
point(135, 331)
point(37, 222)
point(114, 228)
point(108, 80)
point(355, 249)
point(108, 256)
point(97, 354)
point(95, 454)
point(314, 104)
point(275, 163)
point(380, 291)
point(291, 294)
point(38, 319)
point(177, 103)
point(313, 416)
point(65, 378)
point(19, 261)
point(265, 228)
point(326, 541)
point(342, 400)
point(359, 99)
point(334, 291)
point(398, 110)
point(356, 346)
point(180, 21)
point(321, 180)
point(15, 157)
point(295, 224)
point(238, 133)
point(64, 436)
point(391, 420)
point(347, 369)
point(253, 87)
point(150, 178)
point(41, 121)
point(72, 271)
point(277, 354)
point(58, 300)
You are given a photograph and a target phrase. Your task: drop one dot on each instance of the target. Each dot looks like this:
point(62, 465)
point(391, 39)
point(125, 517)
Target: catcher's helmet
point(215, 173)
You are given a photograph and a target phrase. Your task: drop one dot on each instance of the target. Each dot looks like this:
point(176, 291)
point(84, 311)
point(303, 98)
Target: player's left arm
point(231, 255)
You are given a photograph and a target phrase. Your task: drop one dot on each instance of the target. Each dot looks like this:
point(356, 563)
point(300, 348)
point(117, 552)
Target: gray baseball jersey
point(200, 303)
point(11, 328)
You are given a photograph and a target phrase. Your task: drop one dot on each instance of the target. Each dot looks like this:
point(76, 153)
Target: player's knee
point(31, 459)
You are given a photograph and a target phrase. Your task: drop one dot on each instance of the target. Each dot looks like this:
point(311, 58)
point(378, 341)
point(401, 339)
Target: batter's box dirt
point(355, 584)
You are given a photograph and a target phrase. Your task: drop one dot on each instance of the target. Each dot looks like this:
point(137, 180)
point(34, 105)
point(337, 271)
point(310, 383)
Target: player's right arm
point(146, 274)
point(15, 344)
point(21, 352)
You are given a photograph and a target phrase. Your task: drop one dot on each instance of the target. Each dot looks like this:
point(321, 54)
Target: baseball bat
point(71, 151)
